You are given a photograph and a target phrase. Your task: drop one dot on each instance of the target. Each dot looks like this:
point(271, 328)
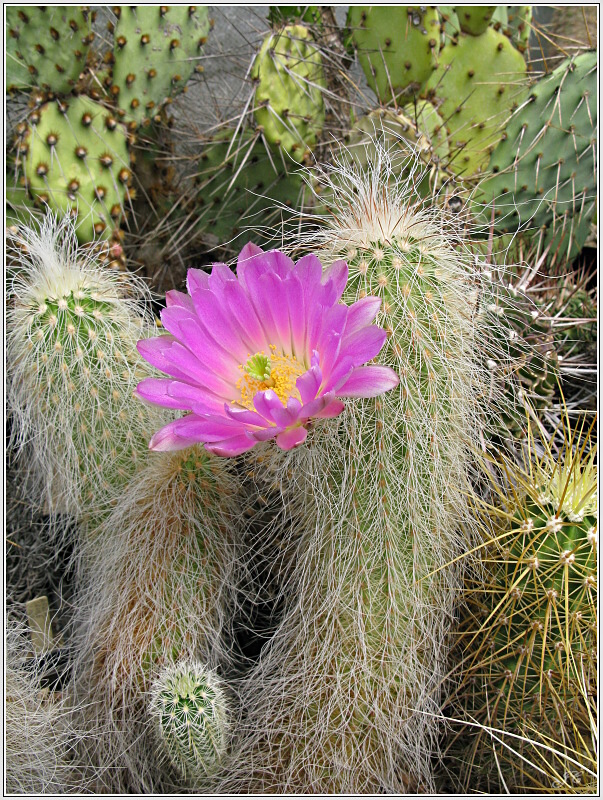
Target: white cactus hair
point(40, 735)
point(46, 264)
point(161, 571)
point(345, 696)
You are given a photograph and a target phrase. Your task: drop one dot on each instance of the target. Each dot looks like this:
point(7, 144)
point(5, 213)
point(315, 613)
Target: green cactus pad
point(46, 46)
point(77, 162)
point(544, 171)
point(474, 19)
point(449, 24)
point(397, 46)
point(242, 184)
point(478, 82)
point(289, 103)
point(156, 51)
point(520, 25)
point(500, 19)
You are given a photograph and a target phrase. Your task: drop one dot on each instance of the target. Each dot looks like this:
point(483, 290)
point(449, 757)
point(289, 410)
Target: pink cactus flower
point(260, 354)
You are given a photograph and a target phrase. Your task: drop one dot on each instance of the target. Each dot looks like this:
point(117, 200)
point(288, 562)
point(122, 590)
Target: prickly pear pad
point(78, 163)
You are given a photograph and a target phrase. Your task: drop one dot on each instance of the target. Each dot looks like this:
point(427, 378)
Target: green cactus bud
point(191, 713)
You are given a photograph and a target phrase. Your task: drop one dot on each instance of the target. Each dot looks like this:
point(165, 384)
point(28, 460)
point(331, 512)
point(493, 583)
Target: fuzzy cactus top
point(257, 355)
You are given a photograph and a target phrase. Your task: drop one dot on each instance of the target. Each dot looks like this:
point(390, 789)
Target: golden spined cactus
point(527, 644)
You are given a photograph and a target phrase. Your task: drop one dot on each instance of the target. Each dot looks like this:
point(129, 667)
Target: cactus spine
point(190, 708)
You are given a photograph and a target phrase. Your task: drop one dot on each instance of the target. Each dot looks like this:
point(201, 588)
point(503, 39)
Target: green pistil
point(259, 367)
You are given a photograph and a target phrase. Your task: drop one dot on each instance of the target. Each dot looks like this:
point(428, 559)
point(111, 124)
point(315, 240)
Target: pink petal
point(262, 304)
point(291, 438)
point(274, 295)
point(210, 428)
point(369, 381)
point(364, 344)
point(265, 434)
point(362, 313)
point(220, 274)
point(196, 279)
point(266, 402)
point(334, 281)
point(166, 438)
point(308, 384)
point(248, 251)
point(176, 360)
point(309, 271)
point(246, 417)
point(284, 417)
point(332, 409)
point(218, 324)
point(249, 325)
point(175, 394)
point(192, 332)
point(231, 447)
point(175, 298)
point(297, 317)
point(327, 405)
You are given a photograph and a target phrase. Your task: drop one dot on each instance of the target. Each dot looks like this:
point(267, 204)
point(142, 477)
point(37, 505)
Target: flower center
point(278, 372)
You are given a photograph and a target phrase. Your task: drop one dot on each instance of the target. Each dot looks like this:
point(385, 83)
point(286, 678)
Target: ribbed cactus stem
point(190, 707)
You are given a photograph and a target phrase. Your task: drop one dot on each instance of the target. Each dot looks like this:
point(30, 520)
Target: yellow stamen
point(284, 371)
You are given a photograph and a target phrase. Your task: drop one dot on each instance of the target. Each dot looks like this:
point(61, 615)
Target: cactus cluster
point(286, 621)
point(71, 356)
point(451, 55)
point(153, 552)
point(366, 595)
point(75, 154)
point(159, 573)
